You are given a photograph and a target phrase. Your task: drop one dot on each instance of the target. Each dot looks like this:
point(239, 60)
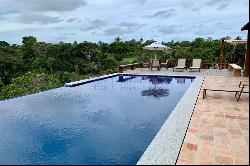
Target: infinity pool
point(110, 121)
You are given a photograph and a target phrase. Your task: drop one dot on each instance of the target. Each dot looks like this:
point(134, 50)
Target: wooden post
point(132, 67)
point(246, 64)
point(141, 65)
point(221, 57)
point(120, 69)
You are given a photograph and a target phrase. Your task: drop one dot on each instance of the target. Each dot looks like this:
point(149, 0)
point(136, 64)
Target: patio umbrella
point(156, 47)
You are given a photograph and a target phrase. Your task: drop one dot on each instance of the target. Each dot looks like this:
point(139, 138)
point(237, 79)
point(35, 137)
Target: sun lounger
point(243, 89)
point(237, 90)
point(155, 64)
point(243, 82)
point(196, 64)
point(181, 64)
point(165, 64)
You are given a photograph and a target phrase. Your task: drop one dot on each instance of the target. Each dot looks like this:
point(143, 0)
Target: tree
point(117, 39)
point(4, 43)
point(35, 66)
point(9, 64)
point(238, 38)
point(29, 51)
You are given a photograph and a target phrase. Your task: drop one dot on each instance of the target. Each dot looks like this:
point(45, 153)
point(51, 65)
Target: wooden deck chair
point(237, 90)
point(181, 64)
point(155, 64)
point(166, 64)
point(196, 64)
point(243, 90)
point(244, 82)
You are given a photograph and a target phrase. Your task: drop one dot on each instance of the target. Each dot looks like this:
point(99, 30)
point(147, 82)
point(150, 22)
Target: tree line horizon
point(37, 66)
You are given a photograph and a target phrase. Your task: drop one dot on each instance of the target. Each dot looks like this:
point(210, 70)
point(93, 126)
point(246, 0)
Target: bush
point(1, 84)
point(11, 91)
point(65, 77)
point(109, 63)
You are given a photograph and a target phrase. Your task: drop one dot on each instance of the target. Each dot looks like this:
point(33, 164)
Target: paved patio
point(218, 132)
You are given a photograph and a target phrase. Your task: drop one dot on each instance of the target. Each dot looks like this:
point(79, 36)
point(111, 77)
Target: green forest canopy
point(36, 66)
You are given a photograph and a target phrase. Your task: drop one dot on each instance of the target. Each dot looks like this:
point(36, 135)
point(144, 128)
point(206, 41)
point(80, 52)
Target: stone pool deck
point(169, 71)
point(218, 132)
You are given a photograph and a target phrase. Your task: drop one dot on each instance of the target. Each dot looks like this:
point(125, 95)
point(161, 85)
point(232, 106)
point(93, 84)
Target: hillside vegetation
point(37, 66)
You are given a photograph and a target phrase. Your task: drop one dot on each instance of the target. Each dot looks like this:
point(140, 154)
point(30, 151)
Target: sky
point(104, 20)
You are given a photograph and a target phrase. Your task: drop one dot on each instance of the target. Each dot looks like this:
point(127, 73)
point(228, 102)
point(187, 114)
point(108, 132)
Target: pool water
point(110, 121)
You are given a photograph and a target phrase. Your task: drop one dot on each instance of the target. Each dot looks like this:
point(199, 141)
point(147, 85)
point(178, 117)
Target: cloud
point(214, 2)
point(223, 6)
point(94, 24)
point(142, 2)
point(163, 13)
point(168, 29)
point(218, 23)
point(48, 5)
point(37, 19)
point(187, 4)
point(204, 32)
point(57, 28)
point(116, 31)
point(7, 12)
point(60, 38)
point(69, 20)
point(63, 36)
point(67, 34)
point(128, 24)
point(195, 9)
point(108, 18)
point(123, 28)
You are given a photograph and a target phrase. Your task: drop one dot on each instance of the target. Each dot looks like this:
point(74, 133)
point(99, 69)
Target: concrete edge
point(162, 74)
point(75, 83)
point(165, 147)
point(84, 81)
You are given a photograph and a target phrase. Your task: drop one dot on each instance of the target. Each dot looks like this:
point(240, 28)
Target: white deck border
point(165, 147)
point(75, 83)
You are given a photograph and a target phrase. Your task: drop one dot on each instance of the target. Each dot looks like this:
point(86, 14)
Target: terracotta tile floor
point(218, 132)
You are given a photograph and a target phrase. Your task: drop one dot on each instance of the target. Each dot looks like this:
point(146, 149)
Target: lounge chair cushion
point(196, 64)
point(155, 63)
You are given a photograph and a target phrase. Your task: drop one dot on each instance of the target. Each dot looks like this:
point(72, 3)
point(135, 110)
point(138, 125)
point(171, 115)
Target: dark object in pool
point(155, 92)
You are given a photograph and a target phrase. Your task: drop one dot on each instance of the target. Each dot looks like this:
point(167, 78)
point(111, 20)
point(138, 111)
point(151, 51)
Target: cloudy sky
point(103, 20)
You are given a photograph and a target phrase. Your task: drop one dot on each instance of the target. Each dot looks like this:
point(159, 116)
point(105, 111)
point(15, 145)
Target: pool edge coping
point(88, 80)
point(165, 147)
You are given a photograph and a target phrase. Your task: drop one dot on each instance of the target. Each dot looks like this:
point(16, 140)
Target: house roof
point(245, 27)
